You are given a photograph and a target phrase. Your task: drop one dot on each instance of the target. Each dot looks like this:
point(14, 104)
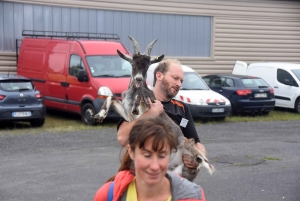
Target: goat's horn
point(135, 45)
point(149, 48)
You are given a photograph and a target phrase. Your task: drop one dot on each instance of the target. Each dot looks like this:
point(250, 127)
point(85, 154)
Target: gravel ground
point(72, 166)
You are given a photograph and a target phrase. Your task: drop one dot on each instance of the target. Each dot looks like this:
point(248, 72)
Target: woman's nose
point(154, 163)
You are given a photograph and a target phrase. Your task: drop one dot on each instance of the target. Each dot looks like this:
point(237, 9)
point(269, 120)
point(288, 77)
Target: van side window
point(76, 64)
point(285, 77)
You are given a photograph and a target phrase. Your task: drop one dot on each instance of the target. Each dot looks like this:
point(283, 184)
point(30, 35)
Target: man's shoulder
point(178, 103)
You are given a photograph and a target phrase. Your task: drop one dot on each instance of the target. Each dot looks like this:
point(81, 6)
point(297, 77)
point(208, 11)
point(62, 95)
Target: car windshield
point(16, 85)
point(297, 73)
point(108, 66)
point(192, 81)
point(254, 83)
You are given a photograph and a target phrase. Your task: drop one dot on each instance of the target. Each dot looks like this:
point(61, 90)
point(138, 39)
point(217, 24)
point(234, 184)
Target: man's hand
point(156, 108)
point(189, 161)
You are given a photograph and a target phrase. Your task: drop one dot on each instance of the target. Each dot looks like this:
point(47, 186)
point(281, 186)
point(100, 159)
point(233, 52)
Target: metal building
point(207, 35)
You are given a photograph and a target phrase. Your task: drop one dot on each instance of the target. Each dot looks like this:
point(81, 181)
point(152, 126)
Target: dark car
point(247, 94)
point(20, 101)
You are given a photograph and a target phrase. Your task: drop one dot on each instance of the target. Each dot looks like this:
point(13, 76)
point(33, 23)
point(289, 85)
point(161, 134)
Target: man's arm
point(156, 109)
point(190, 132)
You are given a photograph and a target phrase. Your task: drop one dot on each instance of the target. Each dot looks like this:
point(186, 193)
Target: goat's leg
point(189, 145)
point(111, 100)
point(136, 104)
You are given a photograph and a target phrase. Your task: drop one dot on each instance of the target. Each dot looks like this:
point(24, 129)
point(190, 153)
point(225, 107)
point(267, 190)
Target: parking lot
point(254, 161)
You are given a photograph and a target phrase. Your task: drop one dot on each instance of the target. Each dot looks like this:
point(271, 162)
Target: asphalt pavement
point(254, 161)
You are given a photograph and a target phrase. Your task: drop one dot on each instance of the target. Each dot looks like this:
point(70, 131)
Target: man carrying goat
point(168, 77)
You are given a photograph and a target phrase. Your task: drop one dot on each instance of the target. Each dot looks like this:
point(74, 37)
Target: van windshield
point(297, 73)
point(192, 81)
point(108, 66)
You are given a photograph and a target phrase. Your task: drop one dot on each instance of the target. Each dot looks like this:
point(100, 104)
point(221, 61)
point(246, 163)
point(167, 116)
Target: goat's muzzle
point(138, 82)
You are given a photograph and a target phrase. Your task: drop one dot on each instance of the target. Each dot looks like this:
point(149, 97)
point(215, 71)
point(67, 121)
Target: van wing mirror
point(82, 76)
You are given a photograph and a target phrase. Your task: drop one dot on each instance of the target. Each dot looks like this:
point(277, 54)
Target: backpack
point(111, 191)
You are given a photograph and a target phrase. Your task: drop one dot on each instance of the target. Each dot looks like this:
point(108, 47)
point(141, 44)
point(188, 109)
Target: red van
point(74, 75)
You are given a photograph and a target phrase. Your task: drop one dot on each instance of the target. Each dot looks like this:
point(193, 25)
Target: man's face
point(172, 80)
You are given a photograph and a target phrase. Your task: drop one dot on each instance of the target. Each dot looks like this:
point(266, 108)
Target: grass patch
point(268, 158)
point(60, 122)
point(56, 122)
point(275, 115)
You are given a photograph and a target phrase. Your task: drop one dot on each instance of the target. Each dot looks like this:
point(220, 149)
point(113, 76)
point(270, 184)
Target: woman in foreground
point(143, 173)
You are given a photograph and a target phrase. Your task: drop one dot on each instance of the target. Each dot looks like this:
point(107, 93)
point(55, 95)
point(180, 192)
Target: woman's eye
point(162, 156)
point(147, 156)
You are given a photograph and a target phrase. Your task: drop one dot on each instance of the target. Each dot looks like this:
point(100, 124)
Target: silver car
point(21, 101)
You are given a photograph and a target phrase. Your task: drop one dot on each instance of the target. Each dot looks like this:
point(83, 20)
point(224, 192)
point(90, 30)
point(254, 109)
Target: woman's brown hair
point(144, 129)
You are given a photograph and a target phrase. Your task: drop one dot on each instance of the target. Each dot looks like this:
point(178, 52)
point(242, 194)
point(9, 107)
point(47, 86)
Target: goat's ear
point(157, 59)
point(124, 56)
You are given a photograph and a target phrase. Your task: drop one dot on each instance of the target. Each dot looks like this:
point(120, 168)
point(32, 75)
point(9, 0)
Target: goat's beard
point(165, 87)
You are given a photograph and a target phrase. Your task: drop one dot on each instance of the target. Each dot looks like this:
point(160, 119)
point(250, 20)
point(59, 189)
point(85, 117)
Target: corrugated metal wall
point(256, 30)
point(179, 35)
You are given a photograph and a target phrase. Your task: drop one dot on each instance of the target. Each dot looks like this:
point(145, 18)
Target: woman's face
point(150, 166)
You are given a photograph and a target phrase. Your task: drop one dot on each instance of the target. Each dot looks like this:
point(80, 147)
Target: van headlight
point(104, 92)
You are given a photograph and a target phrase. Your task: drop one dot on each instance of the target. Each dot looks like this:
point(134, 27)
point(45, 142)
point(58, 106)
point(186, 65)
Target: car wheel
point(297, 106)
point(232, 112)
point(220, 118)
point(87, 114)
point(265, 113)
point(37, 122)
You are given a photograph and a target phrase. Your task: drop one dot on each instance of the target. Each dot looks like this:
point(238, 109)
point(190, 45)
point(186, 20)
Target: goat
point(135, 103)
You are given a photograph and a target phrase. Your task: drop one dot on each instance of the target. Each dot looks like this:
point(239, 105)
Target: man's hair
point(163, 67)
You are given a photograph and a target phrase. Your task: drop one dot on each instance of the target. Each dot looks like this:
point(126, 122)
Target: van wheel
point(297, 106)
point(37, 122)
point(87, 114)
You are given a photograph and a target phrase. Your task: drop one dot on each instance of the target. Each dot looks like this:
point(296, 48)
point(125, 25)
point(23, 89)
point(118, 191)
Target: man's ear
point(130, 152)
point(159, 75)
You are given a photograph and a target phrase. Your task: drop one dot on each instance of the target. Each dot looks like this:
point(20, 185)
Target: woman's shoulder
point(122, 179)
point(102, 193)
point(184, 189)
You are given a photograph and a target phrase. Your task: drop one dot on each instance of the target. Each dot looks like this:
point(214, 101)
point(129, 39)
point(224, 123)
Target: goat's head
point(140, 62)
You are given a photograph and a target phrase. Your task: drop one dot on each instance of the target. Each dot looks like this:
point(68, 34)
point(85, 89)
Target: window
point(192, 81)
point(217, 82)
point(76, 64)
point(229, 82)
point(206, 80)
point(297, 73)
point(286, 78)
point(16, 85)
point(104, 66)
point(254, 83)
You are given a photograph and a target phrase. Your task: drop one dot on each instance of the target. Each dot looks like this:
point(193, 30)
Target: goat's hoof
point(98, 118)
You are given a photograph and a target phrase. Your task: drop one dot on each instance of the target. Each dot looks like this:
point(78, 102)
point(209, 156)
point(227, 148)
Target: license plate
point(21, 114)
point(214, 110)
point(260, 95)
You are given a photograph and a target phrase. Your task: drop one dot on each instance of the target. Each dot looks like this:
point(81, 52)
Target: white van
point(201, 100)
point(283, 77)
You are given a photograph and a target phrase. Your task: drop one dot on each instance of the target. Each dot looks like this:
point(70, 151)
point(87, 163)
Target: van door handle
point(220, 90)
point(65, 84)
point(275, 87)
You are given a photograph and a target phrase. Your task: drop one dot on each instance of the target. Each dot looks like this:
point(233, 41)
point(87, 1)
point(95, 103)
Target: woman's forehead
point(155, 145)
